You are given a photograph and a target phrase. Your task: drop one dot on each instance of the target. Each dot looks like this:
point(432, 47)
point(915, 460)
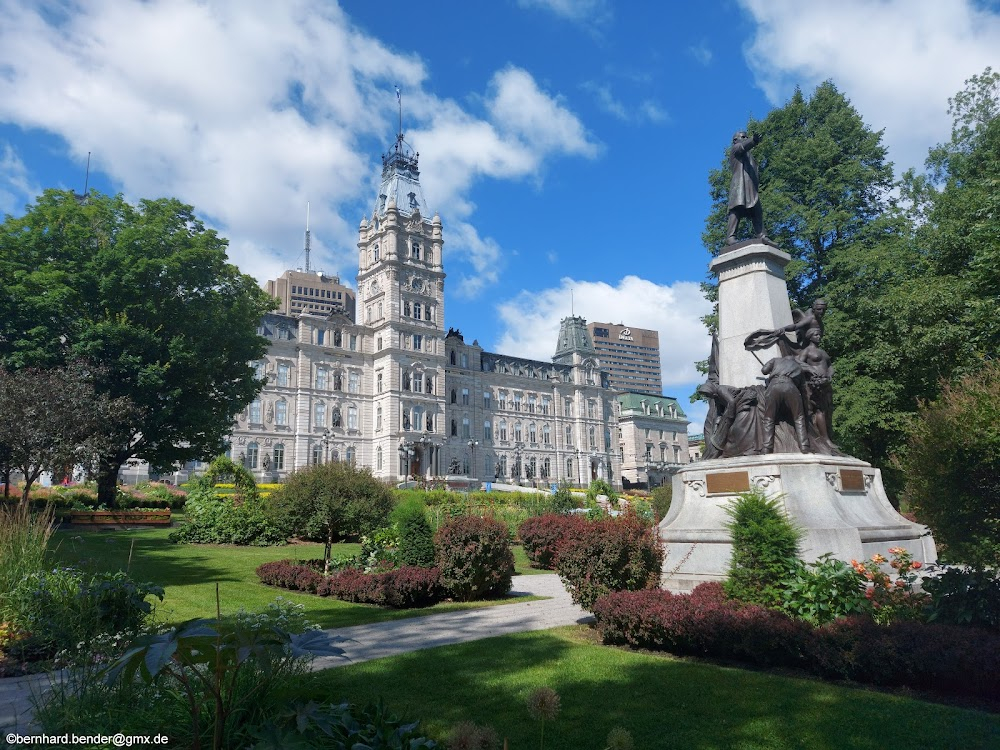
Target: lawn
point(189, 573)
point(664, 702)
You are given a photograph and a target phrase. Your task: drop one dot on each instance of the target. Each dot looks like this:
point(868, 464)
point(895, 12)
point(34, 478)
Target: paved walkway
point(374, 641)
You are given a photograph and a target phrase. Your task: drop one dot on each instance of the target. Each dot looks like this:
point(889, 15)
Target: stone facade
point(652, 438)
point(392, 389)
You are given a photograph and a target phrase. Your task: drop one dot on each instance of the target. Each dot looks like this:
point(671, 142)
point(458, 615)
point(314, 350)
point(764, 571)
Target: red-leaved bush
point(474, 557)
point(616, 554)
point(402, 588)
point(542, 536)
point(934, 657)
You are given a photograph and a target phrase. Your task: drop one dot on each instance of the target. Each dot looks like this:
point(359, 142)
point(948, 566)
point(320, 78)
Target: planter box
point(120, 517)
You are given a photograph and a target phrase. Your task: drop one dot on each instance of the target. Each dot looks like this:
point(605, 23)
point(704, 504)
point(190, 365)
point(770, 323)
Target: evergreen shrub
point(416, 538)
point(765, 549)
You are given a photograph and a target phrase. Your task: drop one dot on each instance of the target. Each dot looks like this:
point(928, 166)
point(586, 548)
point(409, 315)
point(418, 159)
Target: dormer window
point(376, 252)
point(415, 251)
point(413, 200)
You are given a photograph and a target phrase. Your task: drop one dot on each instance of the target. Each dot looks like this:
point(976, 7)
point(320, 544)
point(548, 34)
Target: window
point(430, 423)
point(452, 358)
point(279, 457)
point(546, 469)
point(254, 416)
point(418, 382)
point(465, 396)
point(454, 428)
point(322, 378)
point(502, 399)
point(283, 370)
point(649, 452)
point(418, 418)
point(337, 338)
point(259, 370)
point(502, 428)
point(517, 402)
point(378, 458)
point(376, 260)
point(354, 342)
point(502, 464)
point(281, 413)
point(546, 435)
point(252, 455)
point(487, 430)
point(465, 359)
point(415, 251)
point(454, 396)
point(283, 334)
point(317, 454)
point(380, 313)
point(416, 310)
point(378, 382)
point(593, 437)
point(319, 415)
point(486, 400)
point(532, 435)
point(568, 407)
point(518, 435)
point(531, 404)
point(546, 403)
point(569, 436)
point(354, 382)
point(466, 428)
point(352, 417)
point(569, 468)
point(320, 335)
point(368, 314)
point(418, 342)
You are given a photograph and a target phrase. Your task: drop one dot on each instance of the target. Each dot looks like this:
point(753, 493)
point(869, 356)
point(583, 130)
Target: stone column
point(752, 296)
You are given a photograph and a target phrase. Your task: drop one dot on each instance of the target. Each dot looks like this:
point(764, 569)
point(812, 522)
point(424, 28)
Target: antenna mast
point(399, 101)
point(307, 236)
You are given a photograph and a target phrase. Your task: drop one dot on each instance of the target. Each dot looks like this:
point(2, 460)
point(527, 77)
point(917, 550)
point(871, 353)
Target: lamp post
point(472, 449)
point(326, 445)
point(405, 456)
point(518, 447)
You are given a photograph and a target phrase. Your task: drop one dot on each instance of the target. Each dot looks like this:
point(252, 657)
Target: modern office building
point(384, 384)
point(631, 356)
point(312, 292)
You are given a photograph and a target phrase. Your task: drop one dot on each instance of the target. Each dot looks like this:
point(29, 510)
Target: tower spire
point(307, 237)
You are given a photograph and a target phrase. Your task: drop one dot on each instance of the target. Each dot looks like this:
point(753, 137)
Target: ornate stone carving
point(764, 481)
point(831, 478)
point(697, 486)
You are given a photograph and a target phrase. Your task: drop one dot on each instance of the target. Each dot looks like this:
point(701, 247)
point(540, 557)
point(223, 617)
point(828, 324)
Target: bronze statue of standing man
point(744, 200)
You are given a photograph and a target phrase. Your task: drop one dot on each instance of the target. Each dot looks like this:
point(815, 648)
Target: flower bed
point(151, 517)
point(924, 656)
point(403, 588)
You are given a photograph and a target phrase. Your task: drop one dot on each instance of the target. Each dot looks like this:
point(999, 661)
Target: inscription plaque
point(852, 480)
point(727, 483)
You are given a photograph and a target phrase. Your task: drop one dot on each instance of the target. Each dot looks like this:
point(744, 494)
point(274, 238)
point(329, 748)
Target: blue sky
point(565, 144)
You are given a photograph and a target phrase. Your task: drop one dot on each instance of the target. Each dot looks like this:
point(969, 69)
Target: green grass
point(522, 565)
point(189, 573)
point(664, 702)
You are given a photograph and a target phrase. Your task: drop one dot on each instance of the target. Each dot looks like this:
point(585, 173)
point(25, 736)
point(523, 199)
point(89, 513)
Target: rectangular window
point(418, 382)
point(354, 382)
point(322, 382)
point(319, 415)
point(546, 403)
point(418, 341)
point(320, 335)
point(416, 310)
point(354, 342)
point(352, 417)
point(378, 344)
point(486, 400)
point(487, 430)
point(259, 370)
point(378, 382)
point(465, 360)
point(568, 407)
point(465, 396)
point(281, 413)
point(502, 399)
point(279, 457)
point(283, 371)
point(569, 436)
point(466, 428)
point(255, 412)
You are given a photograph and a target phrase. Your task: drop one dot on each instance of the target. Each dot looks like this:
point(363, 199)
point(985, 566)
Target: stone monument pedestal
point(838, 502)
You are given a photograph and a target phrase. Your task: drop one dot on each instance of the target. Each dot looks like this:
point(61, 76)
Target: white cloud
point(248, 110)
point(531, 321)
point(897, 60)
point(16, 188)
point(701, 52)
point(647, 110)
point(592, 11)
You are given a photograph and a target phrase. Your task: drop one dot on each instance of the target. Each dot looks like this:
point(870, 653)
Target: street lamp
point(472, 448)
point(405, 456)
point(326, 446)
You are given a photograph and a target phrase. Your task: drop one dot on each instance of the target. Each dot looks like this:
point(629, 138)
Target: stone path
point(374, 641)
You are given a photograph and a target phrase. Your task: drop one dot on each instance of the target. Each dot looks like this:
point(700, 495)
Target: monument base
point(839, 503)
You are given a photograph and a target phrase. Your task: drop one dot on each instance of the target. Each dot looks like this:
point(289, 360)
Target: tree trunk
point(107, 481)
point(328, 551)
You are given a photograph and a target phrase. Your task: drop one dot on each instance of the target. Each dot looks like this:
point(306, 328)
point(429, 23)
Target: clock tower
point(400, 299)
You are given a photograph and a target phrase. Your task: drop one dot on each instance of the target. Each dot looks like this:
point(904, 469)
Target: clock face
point(417, 284)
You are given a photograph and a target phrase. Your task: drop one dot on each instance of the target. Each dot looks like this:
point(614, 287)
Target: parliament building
point(373, 376)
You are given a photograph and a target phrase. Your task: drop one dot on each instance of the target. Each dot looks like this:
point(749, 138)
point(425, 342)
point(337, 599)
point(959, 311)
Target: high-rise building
point(311, 292)
point(631, 356)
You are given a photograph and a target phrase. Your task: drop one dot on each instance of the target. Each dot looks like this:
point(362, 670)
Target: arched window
point(593, 437)
point(253, 453)
point(518, 436)
point(503, 466)
point(279, 457)
point(532, 435)
point(546, 468)
point(378, 419)
point(546, 435)
point(502, 428)
point(378, 458)
point(569, 468)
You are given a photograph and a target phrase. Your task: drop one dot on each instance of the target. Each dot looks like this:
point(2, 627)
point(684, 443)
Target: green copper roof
point(632, 402)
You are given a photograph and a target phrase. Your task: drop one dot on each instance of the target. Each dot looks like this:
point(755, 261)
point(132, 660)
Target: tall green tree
point(146, 292)
point(824, 181)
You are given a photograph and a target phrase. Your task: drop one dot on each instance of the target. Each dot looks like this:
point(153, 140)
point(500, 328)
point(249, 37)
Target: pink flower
point(917, 565)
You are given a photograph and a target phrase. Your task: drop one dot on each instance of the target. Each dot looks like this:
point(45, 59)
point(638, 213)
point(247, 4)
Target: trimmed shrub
point(475, 558)
point(403, 588)
point(940, 658)
point(416, 539)
point(965, 597)
point(542, 536)
point(621, 554)
point(765, 549)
